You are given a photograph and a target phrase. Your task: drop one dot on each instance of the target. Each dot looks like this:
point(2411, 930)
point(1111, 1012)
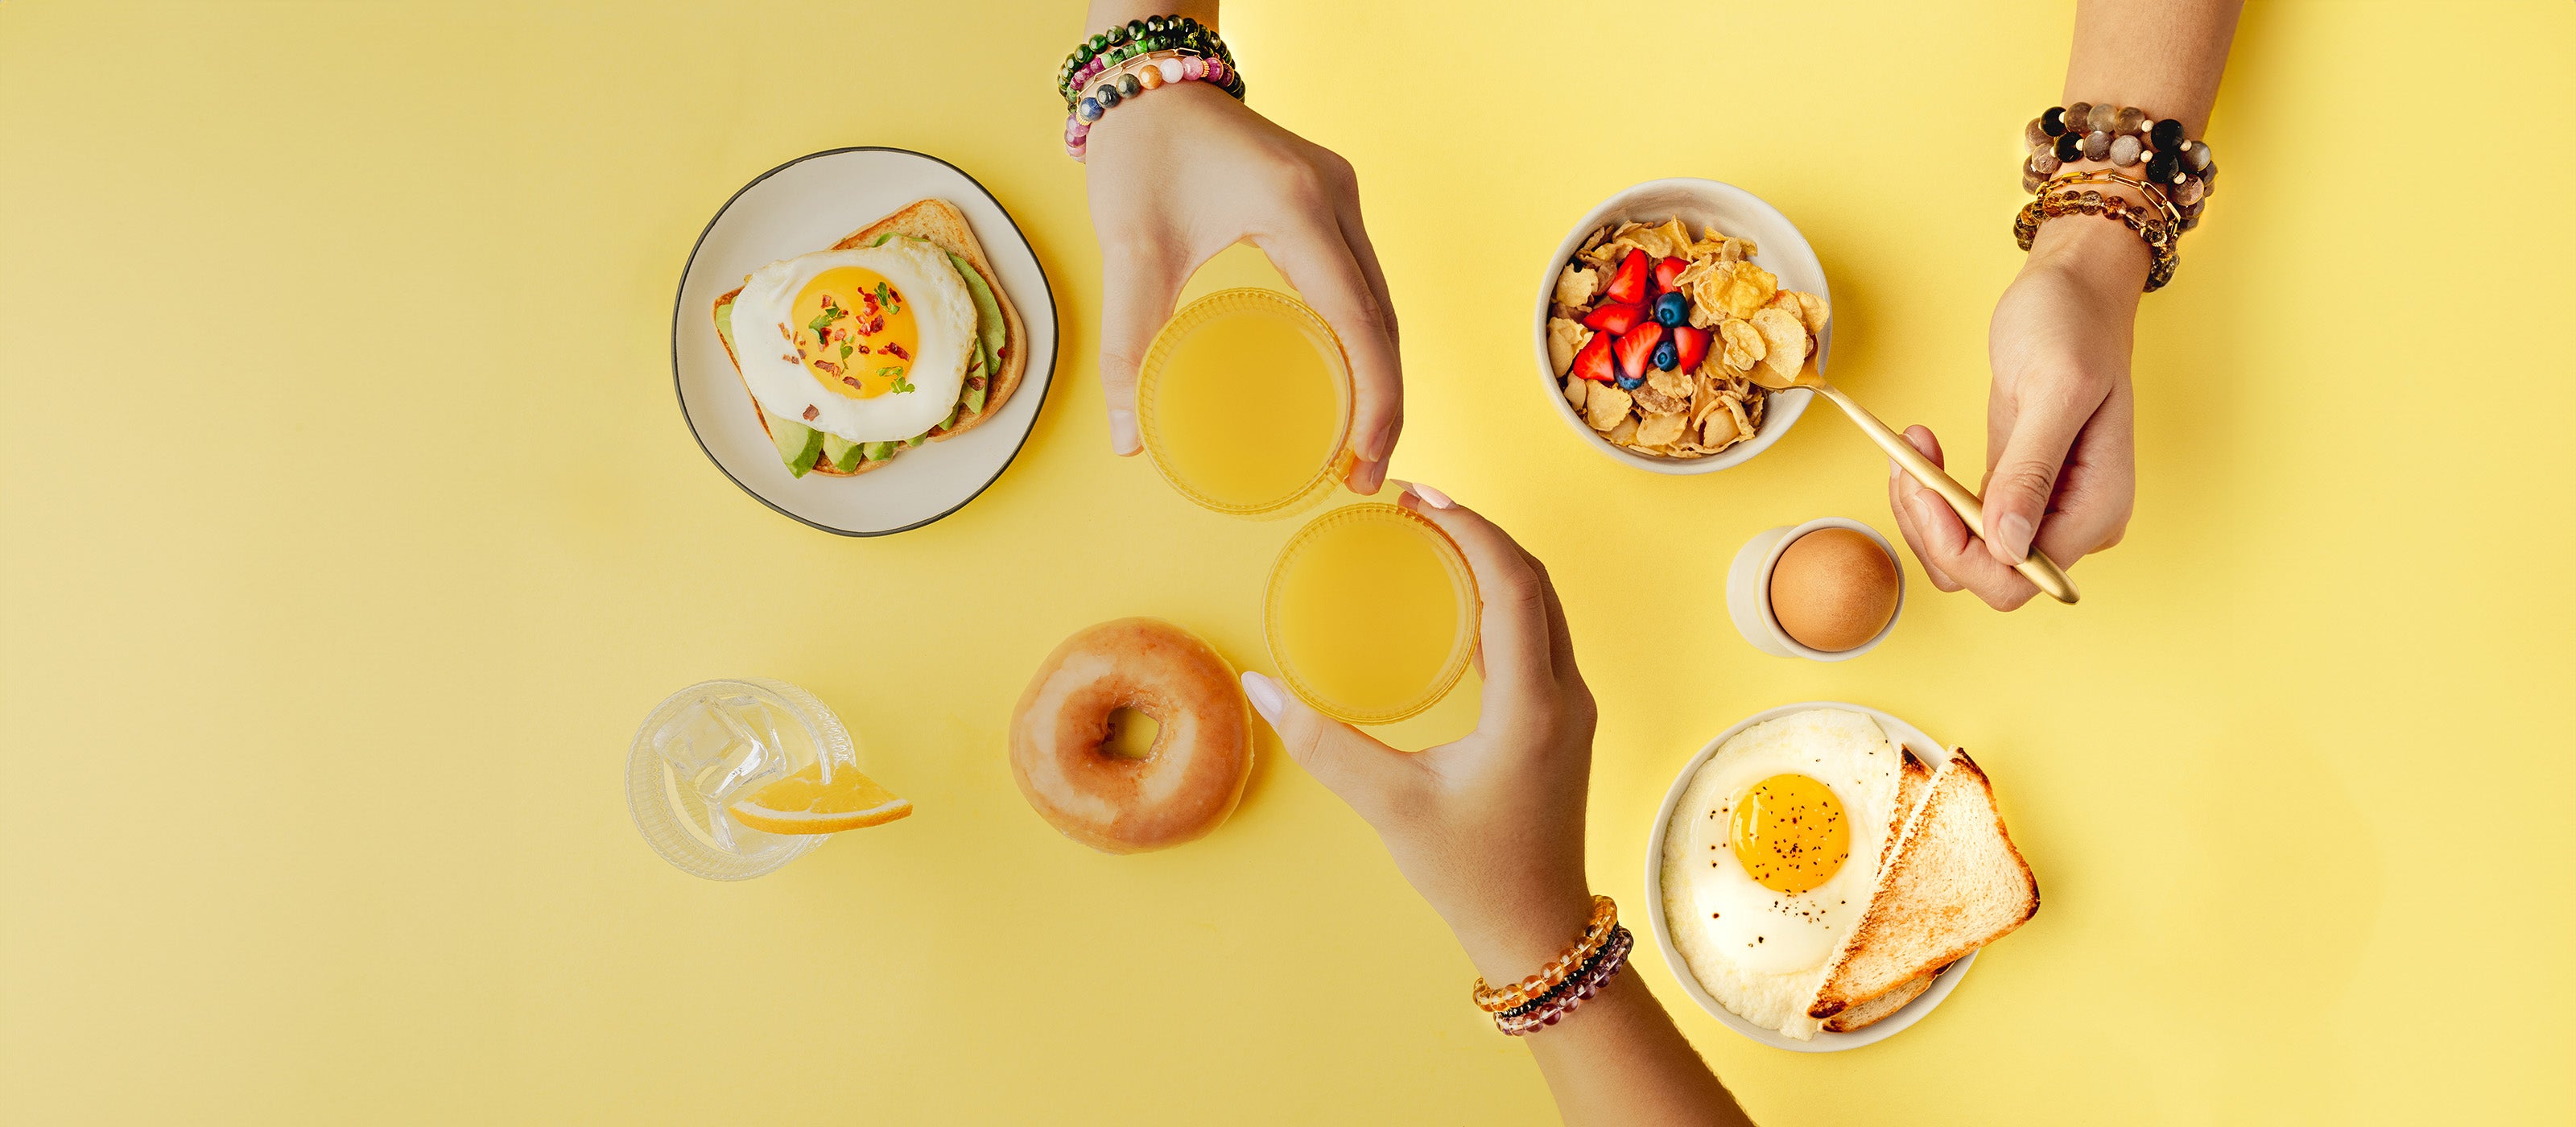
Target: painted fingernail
point(2014, 530)
point(1437, 499)
point(1264, 694)
point(1122, 431)
point(1373, 448)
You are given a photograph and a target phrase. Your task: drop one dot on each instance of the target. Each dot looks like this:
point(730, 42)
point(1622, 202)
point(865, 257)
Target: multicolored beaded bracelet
point(2182, 170)
point(2154, 224)
point(1132, 77)
point(1511, 995)
point(1119, 43)
point(1594, 978)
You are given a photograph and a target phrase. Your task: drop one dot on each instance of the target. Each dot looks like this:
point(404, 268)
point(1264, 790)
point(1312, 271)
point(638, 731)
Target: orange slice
point(803, 803)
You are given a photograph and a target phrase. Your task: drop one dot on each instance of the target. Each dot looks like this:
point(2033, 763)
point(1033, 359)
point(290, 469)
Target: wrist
point(1511, 941)
point(2100, 253)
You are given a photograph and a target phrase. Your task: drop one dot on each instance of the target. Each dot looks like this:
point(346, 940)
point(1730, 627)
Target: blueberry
point(1666, 356)
point(1630, 383)
point(1672, 309)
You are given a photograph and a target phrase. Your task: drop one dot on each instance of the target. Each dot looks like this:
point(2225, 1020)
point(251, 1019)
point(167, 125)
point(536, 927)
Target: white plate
point(1931, 752)
point(803, 206)
point(1698, 203)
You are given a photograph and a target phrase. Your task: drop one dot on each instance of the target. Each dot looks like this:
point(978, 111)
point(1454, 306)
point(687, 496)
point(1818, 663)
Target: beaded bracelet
point(2153, 224)
point(2182, 170)
point(1134, 76)
point(1121, 42)
point(1510, 995)
point(1595, 977)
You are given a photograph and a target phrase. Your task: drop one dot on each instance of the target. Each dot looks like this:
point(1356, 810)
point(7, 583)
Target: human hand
point(1489, 829)
point(2060, 444)
point(1179, 175)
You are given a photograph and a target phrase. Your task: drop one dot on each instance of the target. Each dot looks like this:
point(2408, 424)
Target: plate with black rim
point(806, 205)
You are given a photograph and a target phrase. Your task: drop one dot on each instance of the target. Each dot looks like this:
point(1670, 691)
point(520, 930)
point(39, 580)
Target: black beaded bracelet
point(1121, 42)
point(2181, 170)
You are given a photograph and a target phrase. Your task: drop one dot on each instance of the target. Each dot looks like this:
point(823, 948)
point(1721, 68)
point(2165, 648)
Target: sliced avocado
point(881, 239)
point(976, 381)
point(877, 451)
point(797, 443)
point(916, 440)
point(988, 312)
point(724, 323)
point(844, 454)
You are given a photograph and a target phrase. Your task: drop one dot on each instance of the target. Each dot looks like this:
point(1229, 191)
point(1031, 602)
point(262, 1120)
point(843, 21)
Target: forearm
point(1618, 1059)
point(1106, 12)
point(2162, 56)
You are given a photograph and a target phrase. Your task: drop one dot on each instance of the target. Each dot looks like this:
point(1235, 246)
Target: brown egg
point(1833, 589)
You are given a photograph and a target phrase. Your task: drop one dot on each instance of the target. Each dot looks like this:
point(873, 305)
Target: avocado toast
point(999, 356)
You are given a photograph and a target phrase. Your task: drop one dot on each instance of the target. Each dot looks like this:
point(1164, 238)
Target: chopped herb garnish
point(901, 385)
point(845, 352)
point(892, 301)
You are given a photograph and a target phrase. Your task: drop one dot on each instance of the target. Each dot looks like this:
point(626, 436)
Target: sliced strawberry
point(1628, 286)
point(1614, 318)
point(1666, 272)
point(1593, 361)
point(1637, 348)
point(1692, 345)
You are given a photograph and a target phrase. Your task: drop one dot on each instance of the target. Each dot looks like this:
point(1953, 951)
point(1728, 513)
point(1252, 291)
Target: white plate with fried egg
point(1772, 926)
point(792, 212)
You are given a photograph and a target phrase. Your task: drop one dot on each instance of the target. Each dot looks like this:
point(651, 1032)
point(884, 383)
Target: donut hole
point(1132, 733)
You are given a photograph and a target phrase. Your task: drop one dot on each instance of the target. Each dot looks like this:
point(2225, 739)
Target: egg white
point(1763, 954)
point(941, 309)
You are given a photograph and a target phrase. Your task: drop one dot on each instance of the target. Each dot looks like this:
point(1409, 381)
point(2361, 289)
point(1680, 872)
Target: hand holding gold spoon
point(2036, 567)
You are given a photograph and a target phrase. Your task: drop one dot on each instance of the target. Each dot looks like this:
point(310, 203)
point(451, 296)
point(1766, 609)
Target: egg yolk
point(854, 332)
point(1789, 833)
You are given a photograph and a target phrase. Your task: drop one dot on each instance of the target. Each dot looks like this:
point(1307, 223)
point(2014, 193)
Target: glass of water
point(712, 743)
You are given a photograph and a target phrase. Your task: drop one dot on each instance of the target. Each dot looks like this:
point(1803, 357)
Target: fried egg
point(870, 344)
point(1771, 858)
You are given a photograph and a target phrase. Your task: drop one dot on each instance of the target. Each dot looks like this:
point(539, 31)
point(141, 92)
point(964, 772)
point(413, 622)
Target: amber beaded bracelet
point(1512, 995)
point(2153, 222)
point(1592, 979)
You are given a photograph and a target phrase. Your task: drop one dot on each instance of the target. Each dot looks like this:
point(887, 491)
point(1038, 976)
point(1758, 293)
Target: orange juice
point(1244, 403)
point(1372, 614)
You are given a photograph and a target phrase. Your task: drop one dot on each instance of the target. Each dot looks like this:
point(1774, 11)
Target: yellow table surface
point(347, 527)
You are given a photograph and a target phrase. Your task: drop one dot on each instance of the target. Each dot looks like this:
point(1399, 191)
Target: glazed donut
point(1186, 784)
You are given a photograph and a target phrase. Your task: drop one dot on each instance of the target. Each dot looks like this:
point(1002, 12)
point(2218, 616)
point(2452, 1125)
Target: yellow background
point(350, 526)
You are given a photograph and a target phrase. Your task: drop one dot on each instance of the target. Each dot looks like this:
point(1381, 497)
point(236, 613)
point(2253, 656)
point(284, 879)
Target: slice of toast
point(1956, 884)
point(1868, 1013)
point(940, 222)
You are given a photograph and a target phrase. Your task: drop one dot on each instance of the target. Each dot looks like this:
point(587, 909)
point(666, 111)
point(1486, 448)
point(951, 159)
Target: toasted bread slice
point(1956, 884)
point(940, 222)
point(1868, 1013)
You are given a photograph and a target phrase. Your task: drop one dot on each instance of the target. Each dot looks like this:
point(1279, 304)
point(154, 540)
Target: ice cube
point(695, 739)
point(754, 758)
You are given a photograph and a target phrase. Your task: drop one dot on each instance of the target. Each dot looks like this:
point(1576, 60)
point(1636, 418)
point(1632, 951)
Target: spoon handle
point(2036, 567)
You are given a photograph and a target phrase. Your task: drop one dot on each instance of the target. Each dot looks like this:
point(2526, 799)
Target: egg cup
point(1748, 591)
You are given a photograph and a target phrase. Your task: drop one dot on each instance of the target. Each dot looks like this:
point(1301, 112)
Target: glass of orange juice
point(1371, 614)
point(1244, 404)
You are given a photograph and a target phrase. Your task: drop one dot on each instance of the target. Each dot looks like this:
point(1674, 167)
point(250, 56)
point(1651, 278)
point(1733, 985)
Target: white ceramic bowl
point(1927, 749)
point(1698, 203)
point(1748, 591)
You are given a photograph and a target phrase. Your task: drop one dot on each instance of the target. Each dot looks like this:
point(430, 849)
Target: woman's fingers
point(1314, 258)
point(1514, 633)
point(2024, 475)
point(2098, 488)
point(1349, 763)
point(1139, 285)
point(1949, 550)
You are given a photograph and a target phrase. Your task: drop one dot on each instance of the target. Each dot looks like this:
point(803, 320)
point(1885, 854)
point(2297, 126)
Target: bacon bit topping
point(853, 381)
point(828, 303)
point(976, 382)
point(896, 350)
point(828, 366)
point(787, 358)
point(783, 334)
point(870, 300)
point(811, 411)
point(875, 325)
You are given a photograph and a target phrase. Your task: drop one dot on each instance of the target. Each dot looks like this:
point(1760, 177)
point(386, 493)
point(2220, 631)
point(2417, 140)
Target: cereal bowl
point(1698, 204)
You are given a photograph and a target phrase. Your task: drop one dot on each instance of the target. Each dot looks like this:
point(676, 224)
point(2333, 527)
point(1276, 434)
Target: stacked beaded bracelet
point(1551, 1008)
point(1511, 995)
point(1131, 58)
point(2154, 223)
point(2181, 170)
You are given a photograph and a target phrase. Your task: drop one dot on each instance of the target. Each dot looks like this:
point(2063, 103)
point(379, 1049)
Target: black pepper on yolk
point(1789, 832)
point(854, 333)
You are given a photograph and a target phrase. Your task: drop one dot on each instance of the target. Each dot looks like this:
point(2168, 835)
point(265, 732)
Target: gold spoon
point(2036, 567)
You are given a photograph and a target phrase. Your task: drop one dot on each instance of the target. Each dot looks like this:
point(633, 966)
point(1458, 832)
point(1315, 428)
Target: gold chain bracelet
point(2157, 223)
point(1512, 995)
